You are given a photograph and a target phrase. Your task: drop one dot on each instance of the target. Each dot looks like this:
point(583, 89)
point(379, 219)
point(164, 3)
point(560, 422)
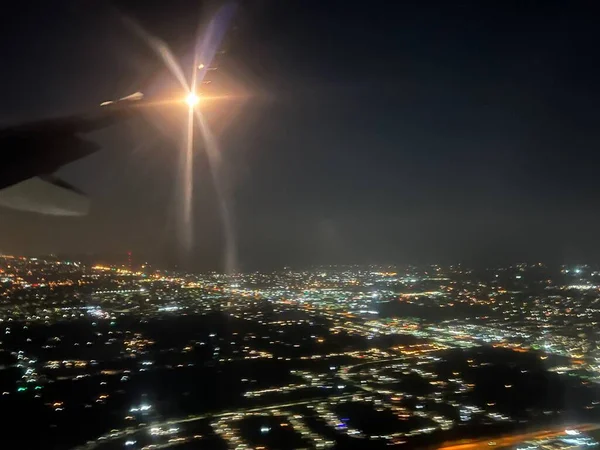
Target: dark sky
point(379, 131)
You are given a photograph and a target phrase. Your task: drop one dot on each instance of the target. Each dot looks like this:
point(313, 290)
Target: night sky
point(367, 132)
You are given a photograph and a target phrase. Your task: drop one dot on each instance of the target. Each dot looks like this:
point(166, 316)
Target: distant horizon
point(121, 259)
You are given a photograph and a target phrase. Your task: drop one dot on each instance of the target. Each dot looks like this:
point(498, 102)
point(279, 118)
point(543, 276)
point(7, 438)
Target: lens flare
point(205, 51)
point(192, 99)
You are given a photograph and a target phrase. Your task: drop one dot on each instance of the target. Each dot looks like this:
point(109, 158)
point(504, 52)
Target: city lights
point(346, 360)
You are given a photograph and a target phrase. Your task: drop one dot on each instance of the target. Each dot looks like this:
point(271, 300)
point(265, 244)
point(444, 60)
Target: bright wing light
point(192, 99)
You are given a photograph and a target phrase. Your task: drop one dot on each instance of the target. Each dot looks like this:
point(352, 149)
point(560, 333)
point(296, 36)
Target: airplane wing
point(45, 195)
point(32, 152)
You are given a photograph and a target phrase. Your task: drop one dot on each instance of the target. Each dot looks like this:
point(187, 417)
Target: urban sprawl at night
point(337, 356)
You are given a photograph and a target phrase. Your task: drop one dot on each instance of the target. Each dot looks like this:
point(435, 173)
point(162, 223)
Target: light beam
point(192, 99)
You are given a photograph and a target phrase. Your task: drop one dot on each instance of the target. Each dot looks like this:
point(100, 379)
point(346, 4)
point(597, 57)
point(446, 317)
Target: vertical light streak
point(214, 159)
point(188, 181)
point(205, 51)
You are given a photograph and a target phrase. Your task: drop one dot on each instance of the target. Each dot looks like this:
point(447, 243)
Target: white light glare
point(192, 99)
